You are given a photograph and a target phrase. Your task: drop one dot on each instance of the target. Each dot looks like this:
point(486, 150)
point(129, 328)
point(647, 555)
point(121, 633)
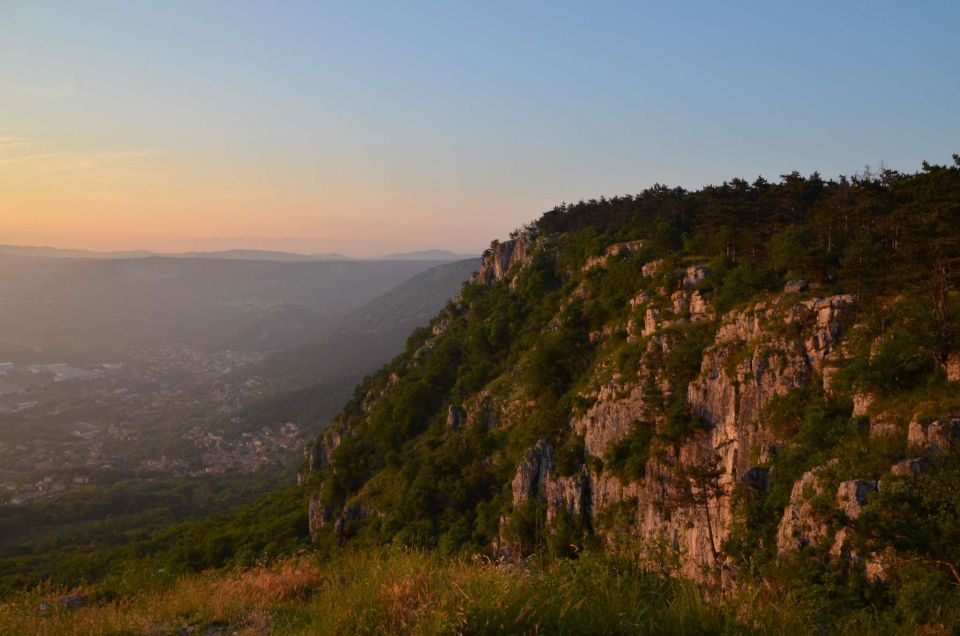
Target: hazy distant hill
point(313, 382)
point(88, 304)
point(237, 254)
point(55, 252)
point(371, 334)
point(429, 255)
point(262, 255)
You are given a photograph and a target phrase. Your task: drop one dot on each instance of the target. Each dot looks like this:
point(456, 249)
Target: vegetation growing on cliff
point(606, 288)
point(622, 300)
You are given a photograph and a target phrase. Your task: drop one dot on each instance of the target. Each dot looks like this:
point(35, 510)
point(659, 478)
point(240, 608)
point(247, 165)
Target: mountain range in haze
point(234, 254)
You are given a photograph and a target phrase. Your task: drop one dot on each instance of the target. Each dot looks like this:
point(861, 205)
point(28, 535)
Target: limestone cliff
point(598, 386)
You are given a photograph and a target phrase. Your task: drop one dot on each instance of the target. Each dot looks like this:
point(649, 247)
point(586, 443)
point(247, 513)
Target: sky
point(375, 127)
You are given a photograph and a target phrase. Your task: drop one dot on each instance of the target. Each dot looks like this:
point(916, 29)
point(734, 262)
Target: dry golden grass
point(389, 592)
point(244, 601)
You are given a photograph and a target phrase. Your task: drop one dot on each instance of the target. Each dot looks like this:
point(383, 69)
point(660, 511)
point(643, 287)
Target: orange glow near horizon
point(147, 199)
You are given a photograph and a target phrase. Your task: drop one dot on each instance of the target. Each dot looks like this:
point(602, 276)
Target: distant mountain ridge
point(233, 254)
point(429, 255)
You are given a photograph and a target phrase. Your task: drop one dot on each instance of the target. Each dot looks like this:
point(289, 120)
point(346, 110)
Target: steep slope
point(310, 384)
point(726, 383)
point(367, 336)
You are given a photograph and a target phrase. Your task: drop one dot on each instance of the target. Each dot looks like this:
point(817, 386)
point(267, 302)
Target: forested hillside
point(754, 385)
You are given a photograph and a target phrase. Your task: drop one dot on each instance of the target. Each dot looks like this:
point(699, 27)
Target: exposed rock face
point(953, 367)
point(532, 472)
point(319, 517)
point(652, 268)
point(875, 570)
point(862, 403)
point(841, 547)
point(682, 496)
point(767, 453)
point(693, 276)
point(352, 512)
point(700, 309)
point(934, 437)
point(609, 420)
point(613, 251)
point(502, 257)
point(800, 526)
point(747, 365)
point(909, 467)
point(568, 494)
point(852, 496)
point(829, 373)
point(320, 452)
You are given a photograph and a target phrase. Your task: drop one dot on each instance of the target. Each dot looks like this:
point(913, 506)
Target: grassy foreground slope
point(395, 591)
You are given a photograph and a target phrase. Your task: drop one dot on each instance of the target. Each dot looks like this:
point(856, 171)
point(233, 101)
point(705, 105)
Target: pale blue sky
point(372, 127)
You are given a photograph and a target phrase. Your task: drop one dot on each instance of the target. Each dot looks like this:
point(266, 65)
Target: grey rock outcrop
point(862, 402)
point(318, 517)
point(502, 257)
point(532, 473)
point(852, 496)
point(568, 494)
point(615, 250)
point(935, 437)
point(953, 367)
point(747, 365)
point(909, 467)
point(800, 527)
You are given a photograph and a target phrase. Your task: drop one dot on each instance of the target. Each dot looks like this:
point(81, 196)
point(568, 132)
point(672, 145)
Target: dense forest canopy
point(871, 234)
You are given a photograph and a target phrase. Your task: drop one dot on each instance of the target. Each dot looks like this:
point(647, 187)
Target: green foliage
point(742, 282)
point(569, 456)
point(788, 251)
point(681, 422)
point(898, 349)
point(175, 526)
point(627, 458)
